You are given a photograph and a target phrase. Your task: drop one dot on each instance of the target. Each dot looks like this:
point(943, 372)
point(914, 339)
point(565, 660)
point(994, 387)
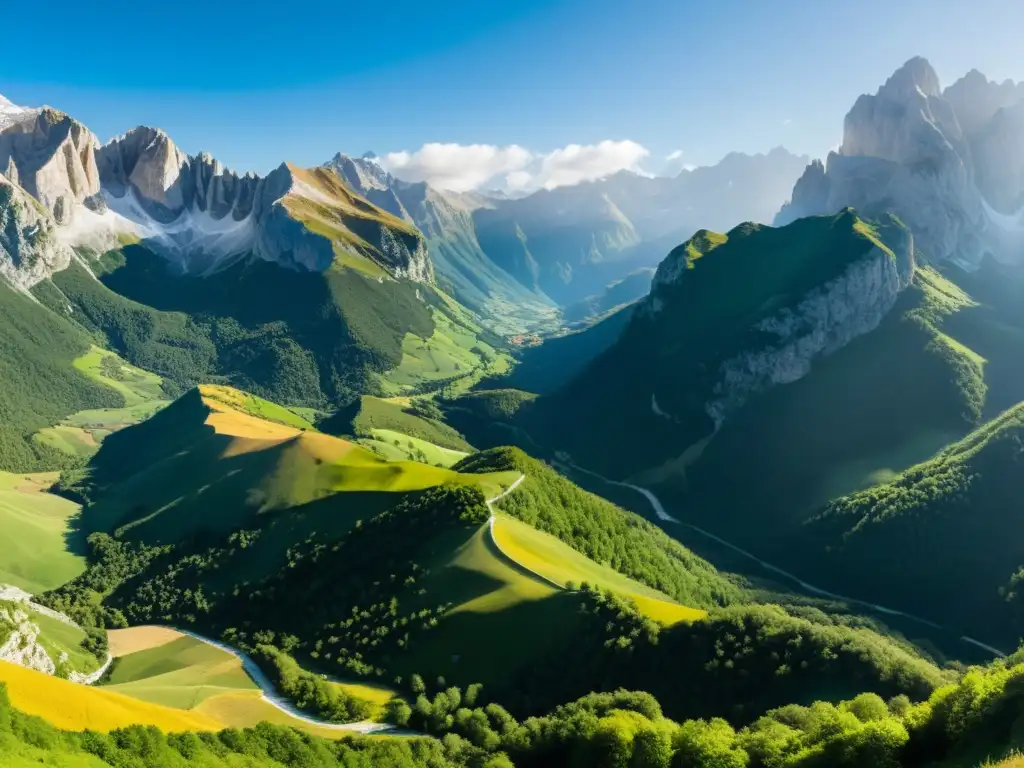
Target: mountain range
point(717, 469)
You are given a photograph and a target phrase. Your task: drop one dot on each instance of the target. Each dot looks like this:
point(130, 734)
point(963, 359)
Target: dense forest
point(368, 601)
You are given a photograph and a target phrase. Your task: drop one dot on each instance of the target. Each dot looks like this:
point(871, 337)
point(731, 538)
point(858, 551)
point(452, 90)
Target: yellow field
point(78, 707)
point(245, 709)
point(125, 641)
point(552, 559)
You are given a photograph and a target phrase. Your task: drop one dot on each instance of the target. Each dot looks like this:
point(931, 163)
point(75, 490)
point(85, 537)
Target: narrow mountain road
point(494, 540)
point(272, 697)
point(663, 515)
point(269, 693)
point(506, 492)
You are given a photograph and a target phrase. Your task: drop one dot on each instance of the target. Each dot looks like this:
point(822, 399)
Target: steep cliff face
point(841, 287)
point(52, 157)
point(824, 321)
point(166, 182)
point(30, 249)
point(731, 316)
point(943, 161)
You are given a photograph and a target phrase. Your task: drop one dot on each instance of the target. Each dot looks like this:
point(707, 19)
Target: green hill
point(652, 391)
point(934, 539)
point(247, 467)
point(41, 385)
point(602, 531)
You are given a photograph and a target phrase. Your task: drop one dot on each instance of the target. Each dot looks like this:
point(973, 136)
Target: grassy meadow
point(162, 666)
point(80, 434)
point(33, 549)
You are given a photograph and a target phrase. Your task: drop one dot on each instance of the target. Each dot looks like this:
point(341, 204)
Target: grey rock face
point(166, 182)
point(30, 250)
point(52, 157)
point(938, 160)
point(282, 238)
point(823, 322)
point(976, 99)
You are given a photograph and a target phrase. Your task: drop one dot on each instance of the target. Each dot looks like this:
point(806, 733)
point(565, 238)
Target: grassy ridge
point(244, 465)
point(604, 532)
point(545, 555)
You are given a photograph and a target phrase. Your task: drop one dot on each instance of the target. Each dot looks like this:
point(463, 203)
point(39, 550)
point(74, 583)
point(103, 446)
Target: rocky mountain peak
point(948, 164)
point(52, 156)
point(976, 99)
point(916, 76)
point(906, 121)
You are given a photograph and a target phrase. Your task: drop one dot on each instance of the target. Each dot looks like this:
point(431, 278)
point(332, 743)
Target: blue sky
point(258, 82)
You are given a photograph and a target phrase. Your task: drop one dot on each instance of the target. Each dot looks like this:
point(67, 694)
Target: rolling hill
point(398, 571)
point(247, 466)
point(935, 535)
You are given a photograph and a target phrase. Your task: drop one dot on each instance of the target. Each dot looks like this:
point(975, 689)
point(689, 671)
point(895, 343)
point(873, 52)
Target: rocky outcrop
point(30, 249)
point(52, 157)
point(937, 159)
point(823, 322)
point(22, 646)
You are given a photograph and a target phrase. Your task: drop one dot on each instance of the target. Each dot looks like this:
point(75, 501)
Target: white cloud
point(461, 167)
point(674, 155)
point(787, 121)
point(576, 163)
point(458, 167)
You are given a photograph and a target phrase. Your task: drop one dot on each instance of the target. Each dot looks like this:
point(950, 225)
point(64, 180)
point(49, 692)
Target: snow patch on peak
point(192, 232)
point(10, 113)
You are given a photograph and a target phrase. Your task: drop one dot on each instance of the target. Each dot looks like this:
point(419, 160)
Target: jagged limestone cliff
point(30, 249)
